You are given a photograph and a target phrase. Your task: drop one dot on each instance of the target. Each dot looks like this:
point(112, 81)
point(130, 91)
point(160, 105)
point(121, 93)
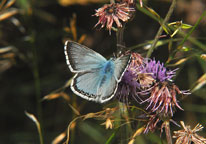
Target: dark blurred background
point(33, 65)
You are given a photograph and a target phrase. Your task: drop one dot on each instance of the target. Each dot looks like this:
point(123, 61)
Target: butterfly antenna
point(114, 55)
point(120, 48)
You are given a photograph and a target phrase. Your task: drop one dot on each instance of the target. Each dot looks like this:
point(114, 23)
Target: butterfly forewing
point(80, 58)
point(121, 65)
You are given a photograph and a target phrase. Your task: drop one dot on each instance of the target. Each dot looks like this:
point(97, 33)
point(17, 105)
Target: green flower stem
point(190, 32)
point(167, 132)
point(120, 46)
point(181, 33)
point(37, 89)
point(162, 42)
point(120, 40)
point(126, 129)
point(171, 9)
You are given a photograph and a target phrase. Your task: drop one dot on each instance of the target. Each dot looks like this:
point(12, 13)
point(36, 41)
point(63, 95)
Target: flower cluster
point(163, 92)
point(150, 82)
point(146, 81)
point(120, 10)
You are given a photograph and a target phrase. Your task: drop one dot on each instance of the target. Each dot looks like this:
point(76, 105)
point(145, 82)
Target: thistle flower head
point(114, 12)
point(158, 71)
point(163, 99)
point(162, 95)
point(188, 135)
point(151, 72)
point(129, 85)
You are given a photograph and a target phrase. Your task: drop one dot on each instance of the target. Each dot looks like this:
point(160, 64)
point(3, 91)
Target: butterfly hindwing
point(107, 89)
point(86, 85)
point(80, 58)
point(96, 85)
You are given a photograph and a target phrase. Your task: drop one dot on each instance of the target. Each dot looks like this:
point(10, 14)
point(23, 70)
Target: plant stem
point(120, 46)
point(167, 132)
point(171, 9)
point(181, 33)
point(120, 40)
point(37, 88)
point(124, 131)
point(193, 28)
point(2, 4)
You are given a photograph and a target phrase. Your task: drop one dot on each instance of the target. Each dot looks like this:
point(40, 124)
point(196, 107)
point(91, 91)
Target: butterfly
point(96, 78)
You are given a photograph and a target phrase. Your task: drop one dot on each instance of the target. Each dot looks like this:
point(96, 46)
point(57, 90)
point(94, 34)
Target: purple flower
point(163, 99)
point(162, 95)
point(129, 86)
point(158, 71)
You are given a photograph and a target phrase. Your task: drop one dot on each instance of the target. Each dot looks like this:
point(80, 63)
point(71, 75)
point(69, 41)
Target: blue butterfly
point(96, 78)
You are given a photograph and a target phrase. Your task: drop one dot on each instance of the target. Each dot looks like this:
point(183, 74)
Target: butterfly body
point(96, 78)
point(107, 69)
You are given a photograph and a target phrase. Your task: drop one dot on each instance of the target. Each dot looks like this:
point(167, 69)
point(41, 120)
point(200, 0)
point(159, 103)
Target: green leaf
point(184, 48)
point(109, 141)
point(153, 12)
point(186, 26)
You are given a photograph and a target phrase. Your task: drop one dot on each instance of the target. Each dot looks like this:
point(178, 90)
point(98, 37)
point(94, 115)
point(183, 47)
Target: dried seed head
point(188, 135)
point(114, 12)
